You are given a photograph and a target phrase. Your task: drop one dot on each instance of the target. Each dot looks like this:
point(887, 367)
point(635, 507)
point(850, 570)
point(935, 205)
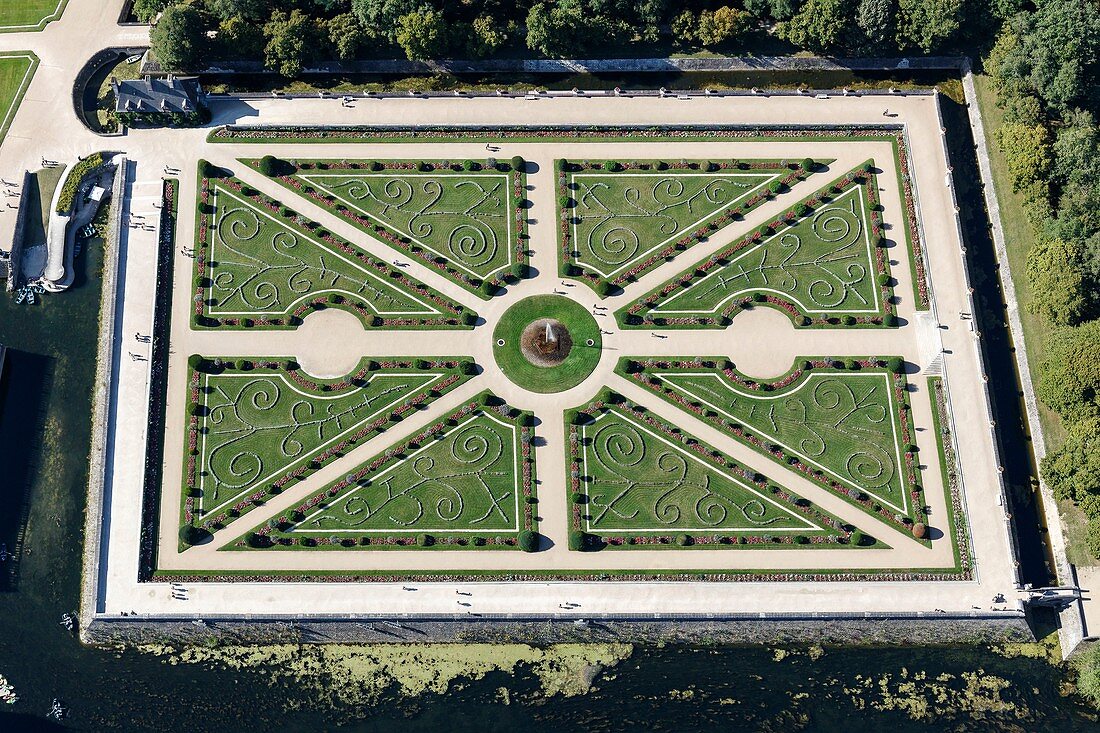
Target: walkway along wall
point(101, 404)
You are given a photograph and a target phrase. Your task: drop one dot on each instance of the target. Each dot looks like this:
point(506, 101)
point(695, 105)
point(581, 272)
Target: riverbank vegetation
point(1044, 71)
point(288, 35)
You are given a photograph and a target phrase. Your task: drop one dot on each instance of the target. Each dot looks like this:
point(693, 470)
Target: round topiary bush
point(684, 540)
point(919, 530)
point(191, 535)
point(425, 540)
point(895, 364)
point(518, 163)
point(196, 362)
point(578, 541)
point(808, 164)
point(848, 320)
point(529, 541)
point(857, 538)
point(610, 166)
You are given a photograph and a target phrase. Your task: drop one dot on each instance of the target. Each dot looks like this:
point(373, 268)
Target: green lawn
point(16, 70)
point(261, 265)
point(466, 481)
point(622, 222)
point(580, 362)
point(29, 15)
point(257, 427)
point(820, 263)
point(641, 477)
point(466, 223)
point(844, 429)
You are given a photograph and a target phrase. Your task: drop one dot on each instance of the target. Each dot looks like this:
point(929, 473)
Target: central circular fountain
point(547, 343)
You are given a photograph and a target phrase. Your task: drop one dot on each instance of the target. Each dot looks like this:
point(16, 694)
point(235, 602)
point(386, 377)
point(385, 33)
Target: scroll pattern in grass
point(255, 430)
point(846, 428)
point(821, 262)
point(468, 224)
point(465, 481)
point(638, 480)
point(619, 224)
point(258, 264)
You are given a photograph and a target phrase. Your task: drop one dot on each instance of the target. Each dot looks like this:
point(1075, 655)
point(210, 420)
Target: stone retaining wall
point(101, 403)
point(828, 629)
point(15, 261)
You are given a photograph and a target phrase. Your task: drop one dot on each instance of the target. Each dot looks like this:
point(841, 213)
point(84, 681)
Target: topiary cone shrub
point(919, 530)
point(578, 541)
point(529, 541)
point(191, 535)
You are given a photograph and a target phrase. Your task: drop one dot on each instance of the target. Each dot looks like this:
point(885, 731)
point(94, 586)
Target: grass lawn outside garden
point(18, 16)
point(16, 71)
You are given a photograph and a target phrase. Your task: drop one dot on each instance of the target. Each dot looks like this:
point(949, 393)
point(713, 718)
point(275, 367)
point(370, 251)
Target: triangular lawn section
point(622, 219)
point(256, 426)
point(260, 264)
point(821, 262)
point(638, 480)
point(466, 222)
point(843, 425)
point(465, 481)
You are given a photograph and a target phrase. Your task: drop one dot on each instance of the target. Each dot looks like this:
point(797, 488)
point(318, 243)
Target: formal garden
point(466, 219)
point(694, 454)
point(259, 264)
point(258, 426)
point(842, 423)
point(620, 219)
point(637, 481)
point(823, 262)
point(465, 481)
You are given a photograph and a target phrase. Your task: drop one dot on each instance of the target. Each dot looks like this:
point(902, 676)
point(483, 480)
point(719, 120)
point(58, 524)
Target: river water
point(44, 436)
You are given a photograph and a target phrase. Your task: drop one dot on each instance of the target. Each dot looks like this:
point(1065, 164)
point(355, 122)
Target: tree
point(146, 10)
point(1058, 53)
point(876, 19)
point(928, 24)
point(1054, 268)
point(1069, 378)
point(484, 37)
point(423, 35)
point(347, 35)
point(1073, 471)
point(178, 38)
point(252, 9)
point(683, 27)
point(561, 29)
point(239, 37)
point(379, 17)
point(291, 42)
point(1027, 152)
point(819, 26)
point(777, 9)
point(721, 25)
